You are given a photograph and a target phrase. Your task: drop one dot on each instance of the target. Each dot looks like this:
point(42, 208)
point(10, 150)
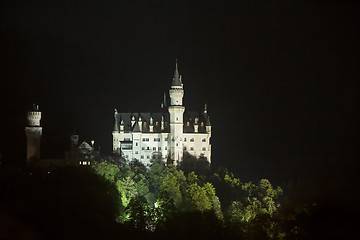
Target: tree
point(108, 170)
point(170, 187)
point(190, 163)
point(139, 213)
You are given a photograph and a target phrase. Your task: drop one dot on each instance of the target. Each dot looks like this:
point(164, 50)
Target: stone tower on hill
point(33, 133)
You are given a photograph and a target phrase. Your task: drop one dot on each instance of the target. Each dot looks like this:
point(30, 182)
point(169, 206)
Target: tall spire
point(176, 78)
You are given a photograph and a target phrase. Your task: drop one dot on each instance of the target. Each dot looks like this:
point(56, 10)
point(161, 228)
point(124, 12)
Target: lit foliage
point(151, 198)
point(170, 187)
point(107, 170)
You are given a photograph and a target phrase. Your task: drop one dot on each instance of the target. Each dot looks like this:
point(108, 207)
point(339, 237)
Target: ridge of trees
point(114, 197)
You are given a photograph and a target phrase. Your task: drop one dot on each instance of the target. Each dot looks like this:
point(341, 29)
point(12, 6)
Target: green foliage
point(161, 199)
point(154, 198)
point(199, 165)
point(170, 187)
point(127, 190)
point(156, 176)
point(199, 197)
point(138, 213)
point(109, 171)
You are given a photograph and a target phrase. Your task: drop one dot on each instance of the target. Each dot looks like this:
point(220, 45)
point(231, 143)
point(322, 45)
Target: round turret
point(33, 133)
point(34, 116)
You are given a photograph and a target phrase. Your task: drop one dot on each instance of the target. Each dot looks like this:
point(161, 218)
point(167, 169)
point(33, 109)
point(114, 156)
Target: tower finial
point(176, 78)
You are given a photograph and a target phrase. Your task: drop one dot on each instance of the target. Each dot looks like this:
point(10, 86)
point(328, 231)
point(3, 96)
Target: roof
point(176, 82)
point(34, 108)
point(189, 121)
point(136, 127)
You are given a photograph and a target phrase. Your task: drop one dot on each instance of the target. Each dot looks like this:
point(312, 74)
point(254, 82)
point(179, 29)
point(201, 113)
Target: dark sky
point(281, 79)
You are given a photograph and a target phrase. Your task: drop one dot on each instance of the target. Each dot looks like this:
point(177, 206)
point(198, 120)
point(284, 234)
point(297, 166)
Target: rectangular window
point(142, 156)
point(143, 148)
point(166, 139)
point(192, 148)
point(154, 148)
point(204, 139)
point(148, 157)
point(159, 148)
point(165, 148)
point(191, 140)
point(156, 139)
point(184, 148)
point(184, 139)
point(204, 149)
point(136, 152)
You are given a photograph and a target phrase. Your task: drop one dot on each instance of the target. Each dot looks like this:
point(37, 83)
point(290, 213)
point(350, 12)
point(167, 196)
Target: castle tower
point(74, 141)
point(115, 133)
point(33, 134)
point(176, 110)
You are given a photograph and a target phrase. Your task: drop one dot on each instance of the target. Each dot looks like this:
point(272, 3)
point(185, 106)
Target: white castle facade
point(165, 134)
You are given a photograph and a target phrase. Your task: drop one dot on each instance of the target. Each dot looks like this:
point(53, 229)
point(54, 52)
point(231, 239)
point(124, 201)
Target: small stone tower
point(176, 110)
point(33, 132)
point(116, 133)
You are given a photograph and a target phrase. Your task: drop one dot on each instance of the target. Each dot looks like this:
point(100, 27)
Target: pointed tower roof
point(176, 82)
point(136, 127)
point(208, 121)
point(116, 120)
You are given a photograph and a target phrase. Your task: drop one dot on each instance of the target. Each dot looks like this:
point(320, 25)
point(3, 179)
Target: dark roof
point(189, 116)
point(34, 108)
point(176, 79)
point(136, 127)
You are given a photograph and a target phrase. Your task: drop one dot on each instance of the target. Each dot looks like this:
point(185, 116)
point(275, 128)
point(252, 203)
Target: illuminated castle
point(165, 134)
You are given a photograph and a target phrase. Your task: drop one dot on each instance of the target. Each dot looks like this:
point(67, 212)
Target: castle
point(79, 154)
point(165, 134)
point(142, 136)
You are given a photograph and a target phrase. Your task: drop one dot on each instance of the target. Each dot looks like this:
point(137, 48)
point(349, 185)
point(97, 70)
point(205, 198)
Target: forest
point(115, 198)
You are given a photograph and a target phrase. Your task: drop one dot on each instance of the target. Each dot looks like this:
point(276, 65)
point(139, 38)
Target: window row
point(147, 139)
point(154, 148)
point(192, 148)
point(192, 140)
point(84, 163)
point(148, 148)
point(158, 139)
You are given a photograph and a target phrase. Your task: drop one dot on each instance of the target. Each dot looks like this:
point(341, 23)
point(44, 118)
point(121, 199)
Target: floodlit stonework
point(33, 132)
point(145, 136)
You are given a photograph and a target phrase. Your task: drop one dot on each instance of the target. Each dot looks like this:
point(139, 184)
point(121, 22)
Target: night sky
point(281, 80)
